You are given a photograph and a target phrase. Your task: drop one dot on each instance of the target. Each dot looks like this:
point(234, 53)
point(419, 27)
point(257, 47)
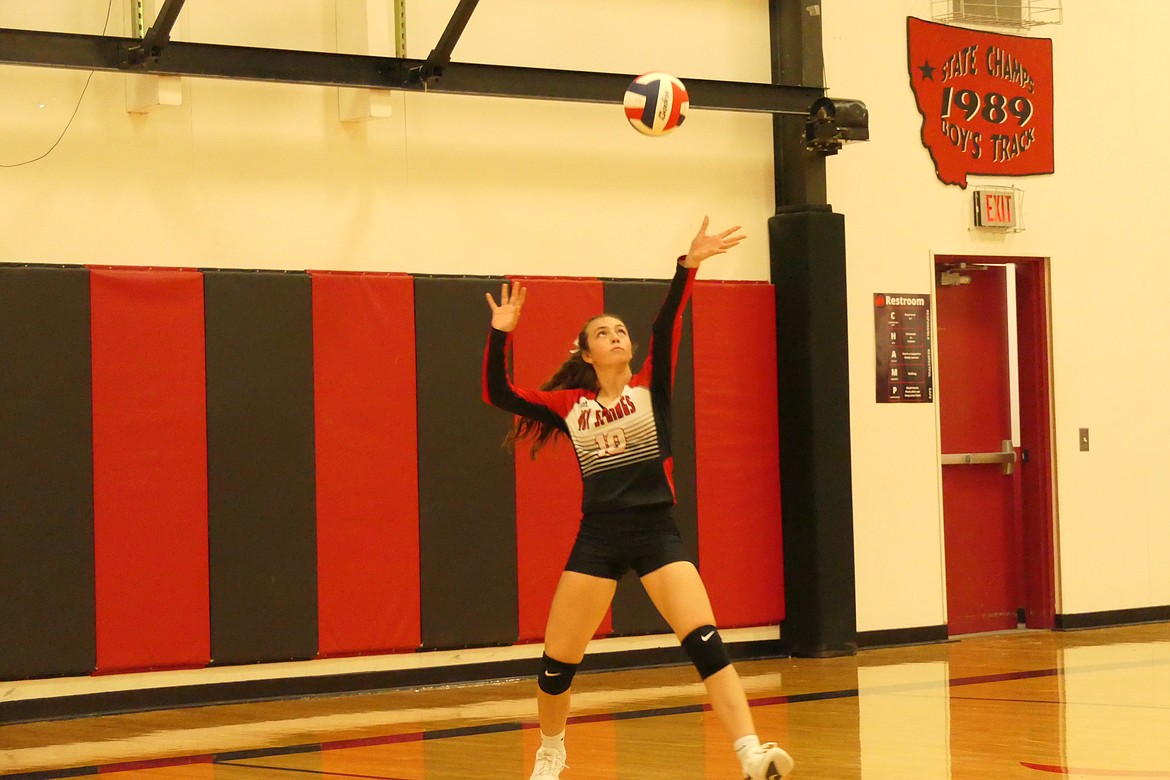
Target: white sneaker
point(767, 762)
point(549, 763)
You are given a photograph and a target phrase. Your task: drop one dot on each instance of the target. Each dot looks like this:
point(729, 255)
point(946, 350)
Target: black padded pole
point(812, 339)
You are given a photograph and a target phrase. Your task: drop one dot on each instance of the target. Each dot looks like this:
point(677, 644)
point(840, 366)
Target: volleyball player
point(619, 425)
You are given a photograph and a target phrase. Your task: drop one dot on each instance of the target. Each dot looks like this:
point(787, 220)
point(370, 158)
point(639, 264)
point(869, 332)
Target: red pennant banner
point(985, 100)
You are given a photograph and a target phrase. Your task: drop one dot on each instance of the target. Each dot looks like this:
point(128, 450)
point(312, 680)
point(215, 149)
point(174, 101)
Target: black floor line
point(308, 771)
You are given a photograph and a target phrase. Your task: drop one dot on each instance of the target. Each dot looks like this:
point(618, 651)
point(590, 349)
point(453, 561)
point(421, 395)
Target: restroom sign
point(902, 329)
point(996, 207)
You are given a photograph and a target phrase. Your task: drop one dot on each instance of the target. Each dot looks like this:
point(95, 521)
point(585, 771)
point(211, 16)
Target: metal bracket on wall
point(150, 48)
point(440, 56)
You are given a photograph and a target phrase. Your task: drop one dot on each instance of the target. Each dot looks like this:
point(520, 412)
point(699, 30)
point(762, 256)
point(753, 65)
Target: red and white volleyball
point(656, 103)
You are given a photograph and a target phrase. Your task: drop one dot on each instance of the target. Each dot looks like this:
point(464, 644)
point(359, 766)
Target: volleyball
point(656, 103)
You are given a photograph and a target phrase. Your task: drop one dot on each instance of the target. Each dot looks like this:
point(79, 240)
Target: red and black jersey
point(624, 449)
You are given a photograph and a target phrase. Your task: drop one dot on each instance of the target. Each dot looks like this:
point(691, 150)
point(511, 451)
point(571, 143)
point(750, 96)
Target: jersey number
point(612, 443)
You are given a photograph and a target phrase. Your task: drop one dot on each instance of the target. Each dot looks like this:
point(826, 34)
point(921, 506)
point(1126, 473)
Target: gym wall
point(249, 175)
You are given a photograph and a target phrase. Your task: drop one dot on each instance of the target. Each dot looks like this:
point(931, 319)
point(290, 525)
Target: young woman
point(619, 424)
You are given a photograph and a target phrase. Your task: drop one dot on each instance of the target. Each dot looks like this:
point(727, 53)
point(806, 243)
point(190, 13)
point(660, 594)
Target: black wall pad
point(47, 625)
point(808, 271)
point(466, 481)
point(260, 460)
point(637, 303)
point(893, 637)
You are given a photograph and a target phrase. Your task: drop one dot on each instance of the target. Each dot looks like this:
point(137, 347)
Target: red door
point(981, 518)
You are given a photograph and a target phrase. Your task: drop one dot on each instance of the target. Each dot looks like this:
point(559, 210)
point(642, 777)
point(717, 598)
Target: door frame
point(1036, 455)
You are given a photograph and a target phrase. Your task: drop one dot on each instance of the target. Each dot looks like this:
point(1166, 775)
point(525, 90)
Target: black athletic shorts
point(611, 543)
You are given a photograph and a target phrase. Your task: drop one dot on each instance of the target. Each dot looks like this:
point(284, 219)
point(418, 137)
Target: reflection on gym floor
point(1027, 704)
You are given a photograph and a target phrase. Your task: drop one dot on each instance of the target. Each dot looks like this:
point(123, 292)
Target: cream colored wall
point(265, 176)
point(1112, 322)
point(1099, 220)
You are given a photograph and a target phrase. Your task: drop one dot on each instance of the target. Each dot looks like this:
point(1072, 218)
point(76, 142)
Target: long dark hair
point(574, 374)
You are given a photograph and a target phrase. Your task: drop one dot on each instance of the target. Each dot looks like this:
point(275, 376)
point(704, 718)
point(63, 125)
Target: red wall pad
point(737, 451)
point(548, 489)
point(367, 462)
point(150, 469)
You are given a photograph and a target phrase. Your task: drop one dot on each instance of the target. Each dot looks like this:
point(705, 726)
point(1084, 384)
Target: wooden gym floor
point(1023, 704)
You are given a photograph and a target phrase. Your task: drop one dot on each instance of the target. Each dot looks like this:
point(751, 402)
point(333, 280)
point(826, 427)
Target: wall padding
point(548, 489)
point(260, 461)
point(229, 467)
point(738, 448)
point(150, 469)
point(637, 303)
point(46, 474)
point(367, 462)
point(467, 483)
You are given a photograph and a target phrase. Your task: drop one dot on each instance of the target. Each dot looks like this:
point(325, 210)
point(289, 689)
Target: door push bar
point(1006, 456)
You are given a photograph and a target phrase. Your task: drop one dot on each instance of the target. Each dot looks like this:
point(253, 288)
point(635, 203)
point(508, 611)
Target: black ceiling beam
point(205, 60)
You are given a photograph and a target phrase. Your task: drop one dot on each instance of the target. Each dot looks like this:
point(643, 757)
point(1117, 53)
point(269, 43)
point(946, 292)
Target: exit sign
point(996, 207)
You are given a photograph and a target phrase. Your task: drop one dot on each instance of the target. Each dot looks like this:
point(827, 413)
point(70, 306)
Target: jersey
point(623, 450)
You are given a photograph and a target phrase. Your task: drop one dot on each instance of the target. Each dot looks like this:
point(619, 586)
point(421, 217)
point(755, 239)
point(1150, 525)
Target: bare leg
point(579, 604)
point(679, 594)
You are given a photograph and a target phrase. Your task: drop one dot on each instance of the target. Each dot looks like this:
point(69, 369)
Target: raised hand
point(704, 246)
point(506, 316)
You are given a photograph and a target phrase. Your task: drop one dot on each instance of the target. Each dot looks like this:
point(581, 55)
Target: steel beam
point(111, 53)
point(797, 56)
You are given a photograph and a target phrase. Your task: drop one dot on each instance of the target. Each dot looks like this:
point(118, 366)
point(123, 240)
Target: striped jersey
point(623, 449)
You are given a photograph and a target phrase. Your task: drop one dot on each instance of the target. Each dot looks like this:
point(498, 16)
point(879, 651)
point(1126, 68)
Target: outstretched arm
point(497, 390)
point(668, 324)
point(703, 246)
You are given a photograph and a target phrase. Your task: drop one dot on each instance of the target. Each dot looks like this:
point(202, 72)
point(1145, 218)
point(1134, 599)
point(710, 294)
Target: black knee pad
point(706, 650)
point(555, 676)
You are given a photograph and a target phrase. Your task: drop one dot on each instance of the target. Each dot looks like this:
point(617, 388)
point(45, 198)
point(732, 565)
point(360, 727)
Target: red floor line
point(1064, 770)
